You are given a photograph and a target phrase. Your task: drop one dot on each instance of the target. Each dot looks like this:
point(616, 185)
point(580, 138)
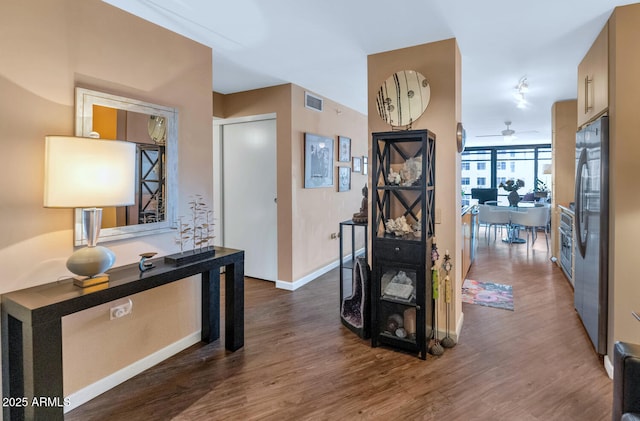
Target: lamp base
point(90, 263)
point(89, 281)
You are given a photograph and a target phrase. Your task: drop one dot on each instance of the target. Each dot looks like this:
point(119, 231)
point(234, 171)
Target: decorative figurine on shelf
point(394, 178)
point(398, 227)
point(363, 216)
point(144, 265)
point(411, 171)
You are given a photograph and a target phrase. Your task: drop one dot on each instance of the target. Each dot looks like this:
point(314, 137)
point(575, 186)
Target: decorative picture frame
point(344, 149)
point(318, 161)
point(357, 166)
point(365, 165)
point(344, 179)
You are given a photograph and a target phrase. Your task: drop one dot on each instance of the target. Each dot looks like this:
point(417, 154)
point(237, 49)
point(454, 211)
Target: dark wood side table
point(349, 266)
point(32, 325)
point(346, 275)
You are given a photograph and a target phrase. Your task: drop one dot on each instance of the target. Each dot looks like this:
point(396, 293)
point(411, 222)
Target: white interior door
point(249, 209)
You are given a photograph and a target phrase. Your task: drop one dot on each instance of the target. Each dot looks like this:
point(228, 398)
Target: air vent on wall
point(313, 102)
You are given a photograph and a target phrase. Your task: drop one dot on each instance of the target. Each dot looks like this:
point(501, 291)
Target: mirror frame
point(85, 100)
point(400, 84)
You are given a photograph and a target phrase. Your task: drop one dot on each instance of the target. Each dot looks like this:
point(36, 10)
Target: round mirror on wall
point(157, 128)
point(403, 97)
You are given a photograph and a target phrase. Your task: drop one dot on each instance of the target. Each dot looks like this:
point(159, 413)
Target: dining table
point(513, 230)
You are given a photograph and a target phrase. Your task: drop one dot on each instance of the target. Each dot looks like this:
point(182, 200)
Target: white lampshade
point(89, 173)
point(84, 172)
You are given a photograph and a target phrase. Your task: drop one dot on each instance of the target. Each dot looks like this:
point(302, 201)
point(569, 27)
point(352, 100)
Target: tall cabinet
point(593, 79)
point(402, 226)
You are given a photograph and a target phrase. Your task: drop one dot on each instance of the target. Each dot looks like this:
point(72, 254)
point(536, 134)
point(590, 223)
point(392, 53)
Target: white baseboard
point(608, 366)
point(292, 286)
point(85, 395)
point(287, 285)
point(459, 328)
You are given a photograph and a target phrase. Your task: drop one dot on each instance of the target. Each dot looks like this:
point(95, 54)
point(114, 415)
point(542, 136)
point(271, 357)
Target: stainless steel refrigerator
point(591, 246)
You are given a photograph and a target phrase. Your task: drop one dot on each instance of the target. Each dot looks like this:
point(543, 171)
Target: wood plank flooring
point(300, 363)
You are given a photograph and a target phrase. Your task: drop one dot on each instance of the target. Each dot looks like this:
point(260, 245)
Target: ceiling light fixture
point(521, 88)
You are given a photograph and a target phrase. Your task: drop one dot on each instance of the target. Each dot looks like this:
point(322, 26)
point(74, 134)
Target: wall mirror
point(154, 130)
point(403, 98)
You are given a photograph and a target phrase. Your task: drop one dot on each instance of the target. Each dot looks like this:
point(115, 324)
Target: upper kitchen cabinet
point(593, 79)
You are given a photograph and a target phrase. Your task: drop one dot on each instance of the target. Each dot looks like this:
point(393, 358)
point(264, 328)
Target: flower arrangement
point(512, 184)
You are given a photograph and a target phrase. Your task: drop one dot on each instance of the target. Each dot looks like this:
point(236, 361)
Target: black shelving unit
point(401, 303)
point(360, 291)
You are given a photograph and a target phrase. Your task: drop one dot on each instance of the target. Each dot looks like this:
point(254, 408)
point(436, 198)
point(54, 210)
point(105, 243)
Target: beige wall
point(440, 63)
point(317, 212)
point(49, 48)
point(564, 118)
point(218, 105)
point(624, 200)
point(306, 217)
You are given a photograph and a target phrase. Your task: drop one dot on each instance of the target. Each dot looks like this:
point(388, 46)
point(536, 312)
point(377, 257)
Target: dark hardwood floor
point(300, 363)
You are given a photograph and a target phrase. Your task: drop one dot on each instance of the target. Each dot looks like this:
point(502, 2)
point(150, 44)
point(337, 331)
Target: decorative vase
point(514, 198)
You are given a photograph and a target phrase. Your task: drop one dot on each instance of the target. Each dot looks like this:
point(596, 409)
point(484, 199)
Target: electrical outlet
point(121, 310)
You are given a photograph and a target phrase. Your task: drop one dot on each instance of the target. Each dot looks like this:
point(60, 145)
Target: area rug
point(487, 294)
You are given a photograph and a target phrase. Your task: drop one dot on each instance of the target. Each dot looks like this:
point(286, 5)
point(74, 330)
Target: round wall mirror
point(403, 97)
point(157, 128)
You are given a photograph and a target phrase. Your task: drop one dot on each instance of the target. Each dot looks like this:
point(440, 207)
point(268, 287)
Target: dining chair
point(530, 219)
point(493, 216)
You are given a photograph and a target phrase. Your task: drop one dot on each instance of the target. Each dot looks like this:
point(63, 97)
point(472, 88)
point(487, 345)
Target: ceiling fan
point(507, 133)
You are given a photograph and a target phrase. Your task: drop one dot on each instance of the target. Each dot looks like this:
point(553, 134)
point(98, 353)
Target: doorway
point(245, 189)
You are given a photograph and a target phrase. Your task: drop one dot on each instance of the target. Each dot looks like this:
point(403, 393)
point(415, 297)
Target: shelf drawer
point(398, 251)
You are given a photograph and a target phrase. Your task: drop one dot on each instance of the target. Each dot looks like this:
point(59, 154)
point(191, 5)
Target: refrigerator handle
point(580, 211)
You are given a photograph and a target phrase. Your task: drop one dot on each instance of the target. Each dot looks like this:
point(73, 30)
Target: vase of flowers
point(512, 185)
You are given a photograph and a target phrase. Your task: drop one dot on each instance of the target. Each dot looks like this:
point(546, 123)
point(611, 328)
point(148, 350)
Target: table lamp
point(89, 173)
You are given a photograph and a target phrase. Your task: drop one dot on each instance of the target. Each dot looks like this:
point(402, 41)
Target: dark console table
point(32, 325)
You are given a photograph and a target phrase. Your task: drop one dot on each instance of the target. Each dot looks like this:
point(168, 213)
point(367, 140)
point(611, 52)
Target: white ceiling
point(323, 47)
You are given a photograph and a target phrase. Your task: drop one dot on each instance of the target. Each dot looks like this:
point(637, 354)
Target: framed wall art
point(344, 149)
point(365, 165)
point(356, 164)
point(344, 179)
point(318, 161)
